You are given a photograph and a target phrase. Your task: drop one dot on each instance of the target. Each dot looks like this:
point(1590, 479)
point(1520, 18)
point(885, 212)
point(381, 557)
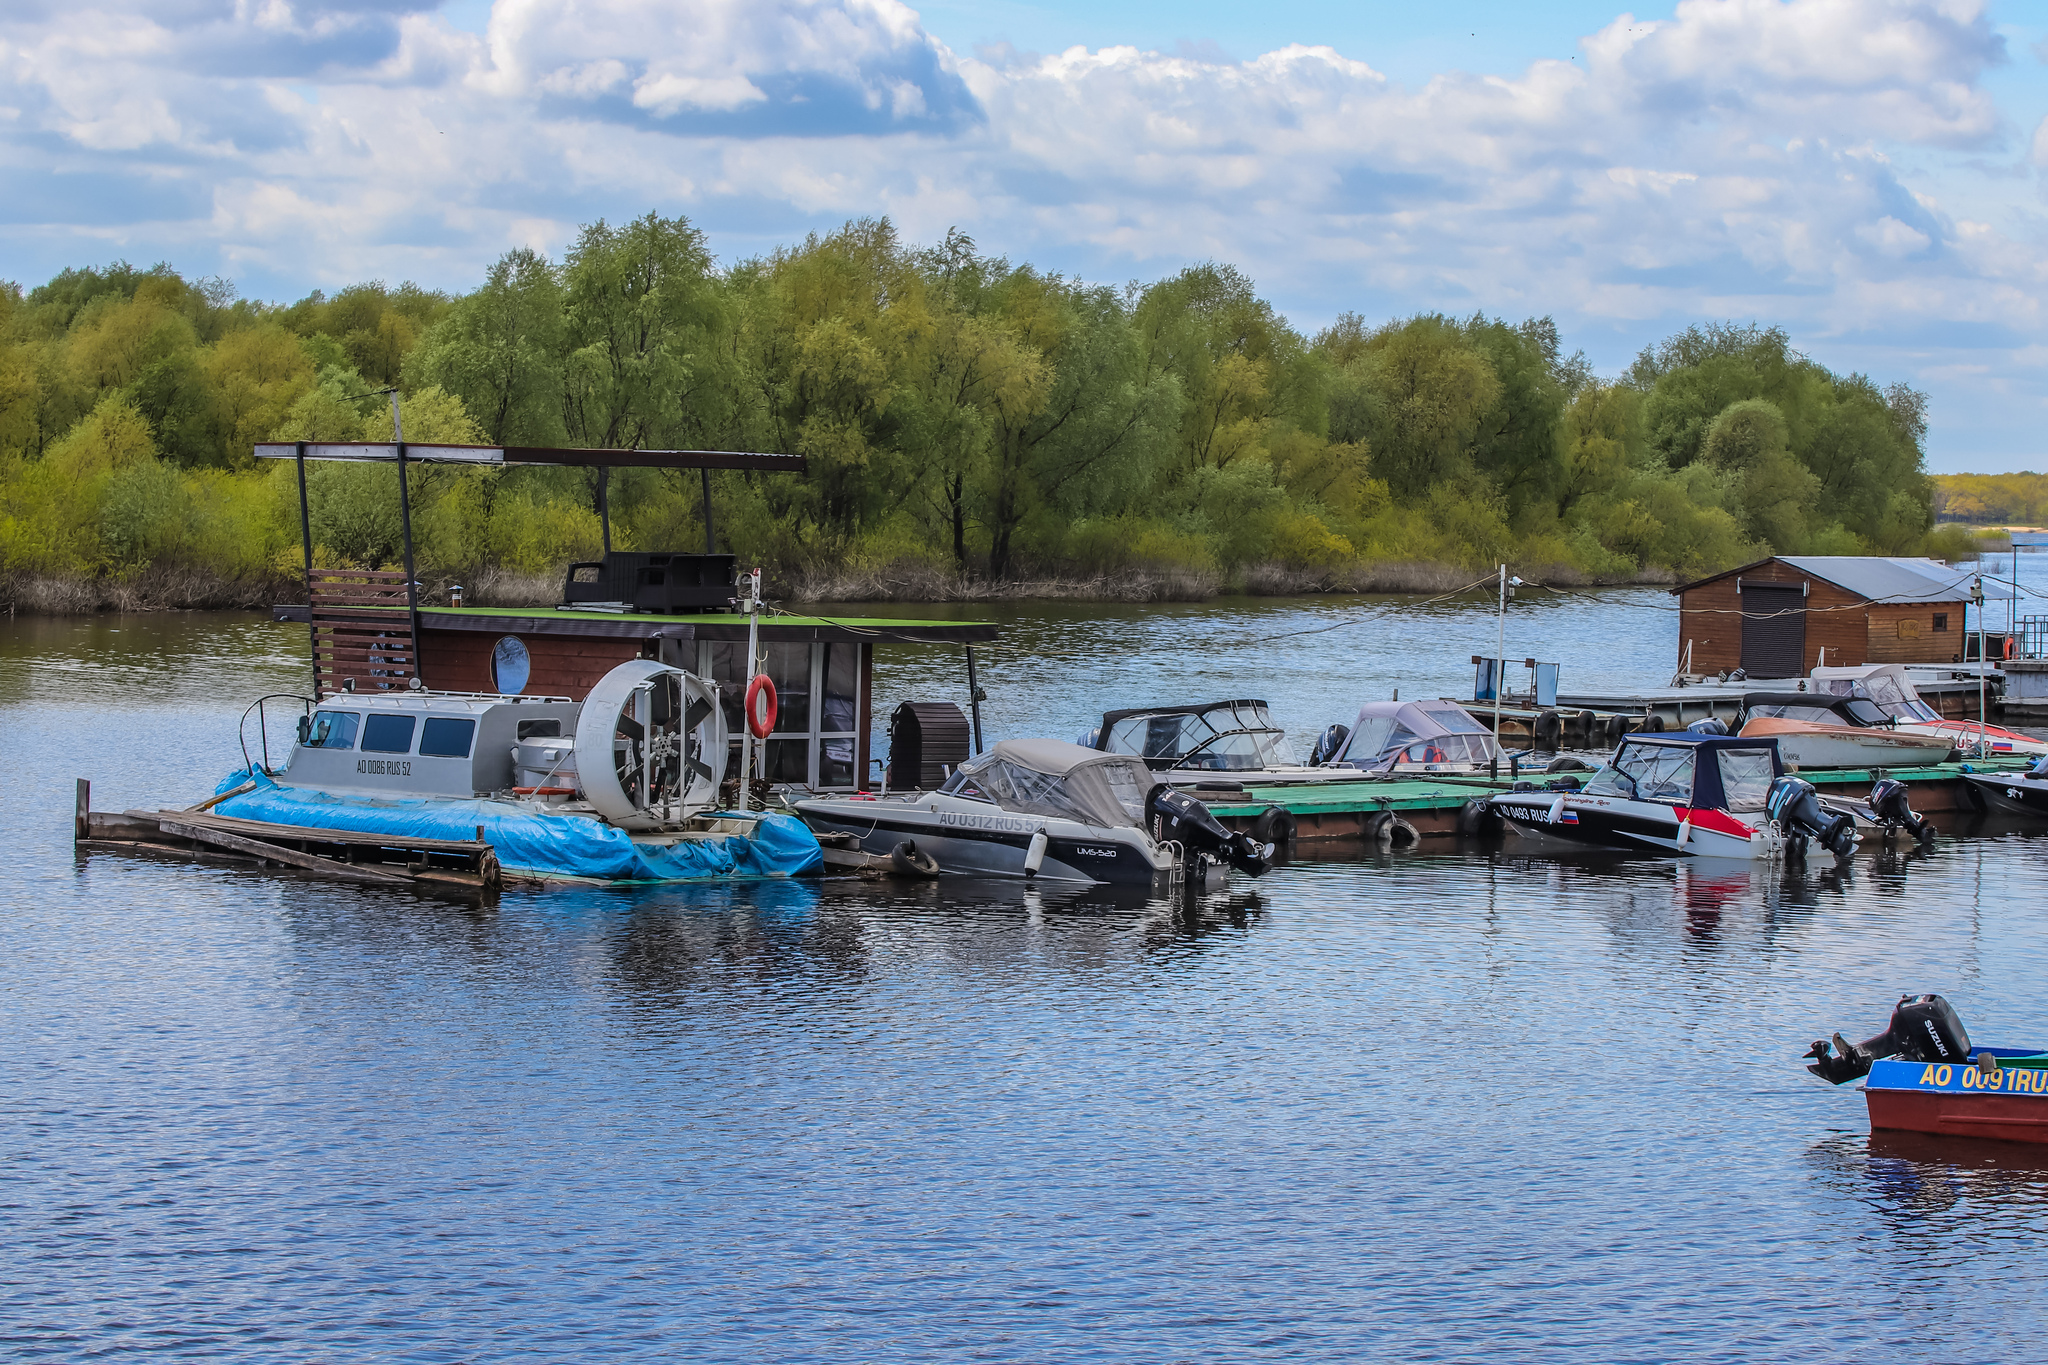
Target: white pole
point(1500, 663)
point(1983, 712)
point(753, 587)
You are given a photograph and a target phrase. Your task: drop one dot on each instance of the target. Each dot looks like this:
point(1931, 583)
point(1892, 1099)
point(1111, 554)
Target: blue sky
point(1868, 174)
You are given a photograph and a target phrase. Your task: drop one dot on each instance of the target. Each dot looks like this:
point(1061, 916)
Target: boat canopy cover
point(1818, 708)
point(1216, 736)
point(1395, 733)
point(1052, 777)
point(1886, 684)
point(533, 841)
point(1705, 772)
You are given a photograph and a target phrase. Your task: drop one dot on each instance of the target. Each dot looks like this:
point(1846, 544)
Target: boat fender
point(1477, 818)
point(1034, 856)
point(1276, 826)
point(761, 706)
point(1685, 829)
point(1546, 734)
point(1389, 830)
point(906, 860)
point(1556, 811)
point(1617, 726)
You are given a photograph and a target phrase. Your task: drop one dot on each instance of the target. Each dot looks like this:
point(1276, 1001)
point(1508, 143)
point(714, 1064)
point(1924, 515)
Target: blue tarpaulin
point(534, 841)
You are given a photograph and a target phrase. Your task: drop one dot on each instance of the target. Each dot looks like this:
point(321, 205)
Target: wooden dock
point(443, 866)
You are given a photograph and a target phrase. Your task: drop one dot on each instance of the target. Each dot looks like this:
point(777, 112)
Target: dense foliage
point(1992, 499)
point(957, 410)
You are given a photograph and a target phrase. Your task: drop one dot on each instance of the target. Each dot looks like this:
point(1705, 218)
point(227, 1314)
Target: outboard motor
point(1088, 739)
point(1888, 801)
point(1328, 745)
point(1180, 817)
point(1711, 725)
point(1924, 1028)
point(1794, 805)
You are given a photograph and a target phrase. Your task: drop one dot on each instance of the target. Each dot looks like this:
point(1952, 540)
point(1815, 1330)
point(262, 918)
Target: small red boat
point(2002, 1092)
point(1923, 1075)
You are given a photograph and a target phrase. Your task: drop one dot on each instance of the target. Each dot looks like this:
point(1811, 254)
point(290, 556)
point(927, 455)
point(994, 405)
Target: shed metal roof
point(1880, 578)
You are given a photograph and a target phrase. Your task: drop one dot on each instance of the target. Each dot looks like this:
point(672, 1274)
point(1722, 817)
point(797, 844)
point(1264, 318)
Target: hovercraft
point(621, 786)
point(1924, 1075)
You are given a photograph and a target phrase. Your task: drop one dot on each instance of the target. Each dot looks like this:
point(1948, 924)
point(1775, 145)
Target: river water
point(1455, 1106)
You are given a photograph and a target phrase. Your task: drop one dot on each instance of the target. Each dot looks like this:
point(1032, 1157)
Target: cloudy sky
point(1870, 174)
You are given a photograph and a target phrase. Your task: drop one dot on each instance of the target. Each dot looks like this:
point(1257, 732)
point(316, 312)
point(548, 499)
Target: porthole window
point(511, 665)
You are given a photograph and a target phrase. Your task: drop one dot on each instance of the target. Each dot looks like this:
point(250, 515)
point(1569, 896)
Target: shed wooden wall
point(1854, 632)
point(563, 665)
point(1929, 646)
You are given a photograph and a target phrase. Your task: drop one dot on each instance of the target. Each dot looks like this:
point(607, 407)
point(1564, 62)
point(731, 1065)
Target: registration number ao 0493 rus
point(384, 767)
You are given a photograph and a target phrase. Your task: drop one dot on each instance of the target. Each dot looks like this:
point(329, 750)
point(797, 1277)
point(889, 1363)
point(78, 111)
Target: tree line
point(958, 411)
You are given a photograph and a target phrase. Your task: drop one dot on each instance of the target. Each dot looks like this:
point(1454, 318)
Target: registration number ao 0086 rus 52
point(384, 767)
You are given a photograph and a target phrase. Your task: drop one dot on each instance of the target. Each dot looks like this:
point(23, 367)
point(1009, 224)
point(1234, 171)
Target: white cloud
point(1779, 159)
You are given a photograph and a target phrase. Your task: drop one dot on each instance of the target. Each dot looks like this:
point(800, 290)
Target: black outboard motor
point(1924, 1028)
point(1888, 801)
point(1328, 745)
point(1178, 816)
point(1711, 725)
point(1793, 804)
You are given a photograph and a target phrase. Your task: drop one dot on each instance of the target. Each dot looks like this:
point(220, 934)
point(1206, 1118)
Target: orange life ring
point(2008, 647)
point(762, 723)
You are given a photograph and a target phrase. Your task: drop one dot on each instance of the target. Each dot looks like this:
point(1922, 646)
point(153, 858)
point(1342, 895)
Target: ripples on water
point(1448, 1107)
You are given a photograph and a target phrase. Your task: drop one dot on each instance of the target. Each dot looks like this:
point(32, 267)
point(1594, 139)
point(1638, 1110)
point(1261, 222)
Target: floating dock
point(446, 866)
point(1432, 804)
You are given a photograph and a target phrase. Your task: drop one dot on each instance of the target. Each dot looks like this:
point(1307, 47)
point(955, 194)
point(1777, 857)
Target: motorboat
point(1891, 690)
point(2020, 793)
point(1045, 810)
point(1698, 794)
point(1398, 737)
point(1217, 745)
point(621, 786)
point(1924, 1075)
point(1827, 730)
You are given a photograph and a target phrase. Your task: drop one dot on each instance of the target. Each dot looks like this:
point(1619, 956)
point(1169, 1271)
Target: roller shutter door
point(1773, 630)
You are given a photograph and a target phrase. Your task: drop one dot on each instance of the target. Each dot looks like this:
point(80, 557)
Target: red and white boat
point(1889, 687)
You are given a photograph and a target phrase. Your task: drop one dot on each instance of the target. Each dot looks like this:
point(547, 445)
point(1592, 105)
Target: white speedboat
point(1891, 690)
point(1822, 730)
point(1042, 809)
point(1686, 793)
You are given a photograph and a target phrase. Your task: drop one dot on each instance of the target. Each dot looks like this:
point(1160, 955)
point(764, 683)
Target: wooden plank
point(261, 829)
point(337, 599)
point(81, 820)
point(204, 833)
point(127, 825)
point(359, 575)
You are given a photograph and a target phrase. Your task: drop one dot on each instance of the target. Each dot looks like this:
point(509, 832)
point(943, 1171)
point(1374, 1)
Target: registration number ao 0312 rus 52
point(384, 767)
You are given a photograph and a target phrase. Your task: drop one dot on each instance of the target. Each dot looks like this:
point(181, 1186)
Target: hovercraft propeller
point(663, 731)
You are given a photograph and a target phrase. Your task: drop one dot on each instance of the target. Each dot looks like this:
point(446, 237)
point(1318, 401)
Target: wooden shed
point(1774, 618)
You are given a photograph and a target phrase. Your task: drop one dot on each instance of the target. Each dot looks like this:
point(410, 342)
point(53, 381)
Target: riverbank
point(180, 589)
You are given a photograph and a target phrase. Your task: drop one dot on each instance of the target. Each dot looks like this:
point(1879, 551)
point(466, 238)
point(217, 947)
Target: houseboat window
point(789, 665)
point(839, 716)
point(1941, 620)
point(1746, 777)
point(446, 737)
point(539, 729)
point(511, 665)
point(387, 734)
point(332, 730)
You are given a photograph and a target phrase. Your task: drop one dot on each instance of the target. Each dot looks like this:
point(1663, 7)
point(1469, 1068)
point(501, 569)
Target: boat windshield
point(332, 730)
point(1892, 696)
point(1648, 772)
point(1444, 749)
point(1222, 739)
point(1108, 791)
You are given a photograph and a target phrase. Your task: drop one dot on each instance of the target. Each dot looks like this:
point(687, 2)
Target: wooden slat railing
point(362, 632)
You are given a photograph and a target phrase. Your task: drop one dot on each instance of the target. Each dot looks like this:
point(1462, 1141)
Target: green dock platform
point(1342, 810)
